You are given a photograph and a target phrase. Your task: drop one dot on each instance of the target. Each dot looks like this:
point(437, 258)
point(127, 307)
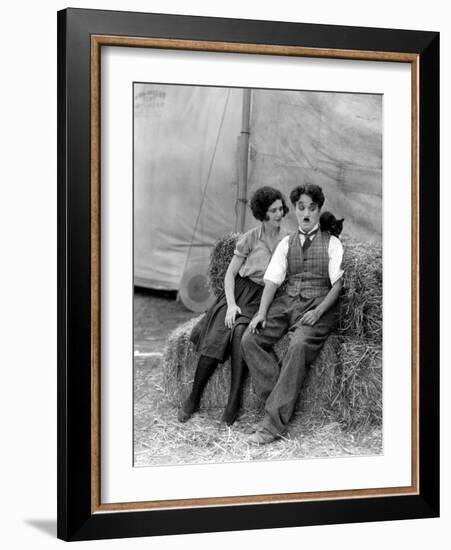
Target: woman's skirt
point(210, 336)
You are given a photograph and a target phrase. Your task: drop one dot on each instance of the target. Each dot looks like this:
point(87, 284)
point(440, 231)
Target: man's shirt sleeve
point(277, 268)
point(335, 259)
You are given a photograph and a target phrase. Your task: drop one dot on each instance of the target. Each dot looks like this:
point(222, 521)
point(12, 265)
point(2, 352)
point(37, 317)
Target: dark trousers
point(281, 385)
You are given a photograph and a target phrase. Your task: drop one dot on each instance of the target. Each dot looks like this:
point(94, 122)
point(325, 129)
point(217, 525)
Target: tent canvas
point(186, 155)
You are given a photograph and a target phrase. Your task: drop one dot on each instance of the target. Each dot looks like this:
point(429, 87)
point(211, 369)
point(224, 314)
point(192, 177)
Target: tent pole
point(243, 160)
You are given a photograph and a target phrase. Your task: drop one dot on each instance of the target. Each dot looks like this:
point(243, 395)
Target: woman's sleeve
point(243, 246)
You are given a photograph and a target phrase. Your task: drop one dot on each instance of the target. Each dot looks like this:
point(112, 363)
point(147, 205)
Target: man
point(309, 261)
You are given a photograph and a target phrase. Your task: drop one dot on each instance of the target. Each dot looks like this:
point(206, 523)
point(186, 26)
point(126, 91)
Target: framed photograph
point(248, 252)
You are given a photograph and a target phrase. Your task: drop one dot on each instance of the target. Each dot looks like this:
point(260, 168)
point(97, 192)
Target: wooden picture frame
point(81, 35)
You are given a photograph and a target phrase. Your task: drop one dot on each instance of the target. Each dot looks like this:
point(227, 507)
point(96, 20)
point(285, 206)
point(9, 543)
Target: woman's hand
point(311, 317)
point(232, 312)
point(257, 320)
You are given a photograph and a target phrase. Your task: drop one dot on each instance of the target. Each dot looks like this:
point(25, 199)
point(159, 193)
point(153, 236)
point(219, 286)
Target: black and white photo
point(222, 179)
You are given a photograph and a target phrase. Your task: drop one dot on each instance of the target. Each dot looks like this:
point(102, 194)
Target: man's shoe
point(251, 429)
point(261, 437)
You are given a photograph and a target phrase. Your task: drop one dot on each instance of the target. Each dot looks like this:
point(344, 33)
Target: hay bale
point(357, 390)
point(344, 384)
point(361, 299)
point(220, 258)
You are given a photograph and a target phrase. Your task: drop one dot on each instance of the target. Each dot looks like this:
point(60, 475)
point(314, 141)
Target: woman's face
point(274, 214)
point(307, 213)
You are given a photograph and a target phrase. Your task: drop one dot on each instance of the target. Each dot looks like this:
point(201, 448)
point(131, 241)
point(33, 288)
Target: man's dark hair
point(263, 198)
point(312, 190)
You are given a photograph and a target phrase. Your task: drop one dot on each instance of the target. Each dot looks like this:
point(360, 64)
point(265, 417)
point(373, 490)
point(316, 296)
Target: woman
point(221, 330)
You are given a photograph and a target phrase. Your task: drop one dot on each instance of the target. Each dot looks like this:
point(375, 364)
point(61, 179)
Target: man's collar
point(311, 232)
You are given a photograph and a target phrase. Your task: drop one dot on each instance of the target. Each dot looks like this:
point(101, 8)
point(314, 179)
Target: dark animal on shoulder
point(328, 222)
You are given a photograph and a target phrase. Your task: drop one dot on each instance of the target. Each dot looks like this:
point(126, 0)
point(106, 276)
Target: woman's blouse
point(257, 253)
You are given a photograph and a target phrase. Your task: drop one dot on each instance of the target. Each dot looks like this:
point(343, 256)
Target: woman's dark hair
point(262, 199)
point(312, 190)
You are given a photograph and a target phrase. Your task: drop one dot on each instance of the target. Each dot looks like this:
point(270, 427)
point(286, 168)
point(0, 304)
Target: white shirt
point(277, 268)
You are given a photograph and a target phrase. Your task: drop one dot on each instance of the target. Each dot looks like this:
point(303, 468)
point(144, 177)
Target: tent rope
point(207, 180)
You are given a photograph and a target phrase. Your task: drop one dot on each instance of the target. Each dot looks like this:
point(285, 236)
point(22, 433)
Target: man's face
point(307, 213)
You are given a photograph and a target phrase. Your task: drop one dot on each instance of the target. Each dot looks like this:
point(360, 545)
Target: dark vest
point(308, 276)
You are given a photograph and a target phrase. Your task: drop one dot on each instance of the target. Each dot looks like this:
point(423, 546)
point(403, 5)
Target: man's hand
point(258, 320)
point(232, 312)
point(311, 317)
